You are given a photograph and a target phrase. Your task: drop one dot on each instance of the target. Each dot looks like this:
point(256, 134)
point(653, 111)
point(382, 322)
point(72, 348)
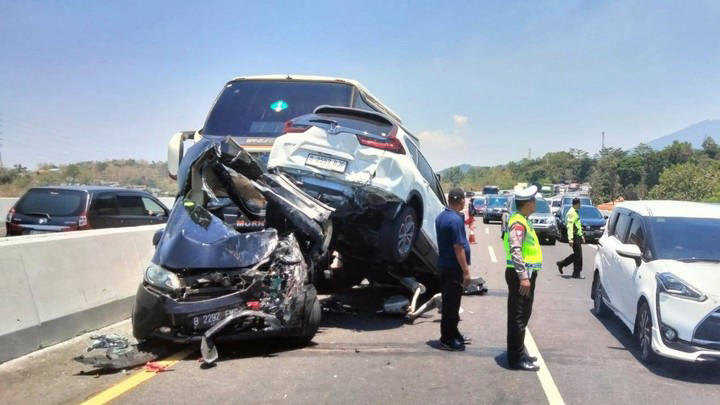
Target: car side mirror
point(630, 251)
point(157, 236)
point(175, 151)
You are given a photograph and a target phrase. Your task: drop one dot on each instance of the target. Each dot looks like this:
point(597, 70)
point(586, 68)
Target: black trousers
point(575, 257)
point(452, 290)
point(519, 309)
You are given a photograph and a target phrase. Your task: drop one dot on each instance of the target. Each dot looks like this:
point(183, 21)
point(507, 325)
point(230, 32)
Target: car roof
point(94, 189)
point(312, 78)
point(682, 209)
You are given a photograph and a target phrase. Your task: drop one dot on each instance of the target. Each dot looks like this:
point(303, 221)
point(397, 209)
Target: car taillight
point(291, 127)
point(83, 223)
point(390, 144)
point(10, 213)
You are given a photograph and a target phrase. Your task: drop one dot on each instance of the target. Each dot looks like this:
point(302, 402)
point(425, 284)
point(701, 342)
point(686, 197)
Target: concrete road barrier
point(57, 286)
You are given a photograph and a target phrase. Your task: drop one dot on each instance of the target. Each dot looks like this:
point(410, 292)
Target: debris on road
point(476, 287)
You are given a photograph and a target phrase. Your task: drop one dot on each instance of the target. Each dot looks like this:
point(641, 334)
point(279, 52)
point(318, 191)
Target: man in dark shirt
point(453, 262)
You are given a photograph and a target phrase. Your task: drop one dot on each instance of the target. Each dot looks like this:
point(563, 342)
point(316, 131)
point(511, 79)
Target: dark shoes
point(559, 267)
point(525, 365)
point(455, 345)
point(578, 276)
point(465, 340)
point(531, 359)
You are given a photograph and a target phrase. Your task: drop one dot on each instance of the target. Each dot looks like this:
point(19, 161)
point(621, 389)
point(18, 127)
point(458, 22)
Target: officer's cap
point(526, 194)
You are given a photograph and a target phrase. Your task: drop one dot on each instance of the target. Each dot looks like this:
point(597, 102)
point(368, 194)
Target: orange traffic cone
point(472, 237)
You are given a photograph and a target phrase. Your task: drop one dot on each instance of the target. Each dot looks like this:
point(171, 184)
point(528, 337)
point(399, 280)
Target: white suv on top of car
point(658, 269)
point(370, 169)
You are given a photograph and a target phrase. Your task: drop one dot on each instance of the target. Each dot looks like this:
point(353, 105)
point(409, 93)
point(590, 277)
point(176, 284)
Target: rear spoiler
point(355, 112)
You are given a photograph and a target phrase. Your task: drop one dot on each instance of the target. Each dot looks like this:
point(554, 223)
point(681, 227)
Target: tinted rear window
point(260, 108)
point(56, 203)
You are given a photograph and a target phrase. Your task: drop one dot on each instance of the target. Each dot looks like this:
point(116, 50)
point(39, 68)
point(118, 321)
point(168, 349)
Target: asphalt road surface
point(367, 358)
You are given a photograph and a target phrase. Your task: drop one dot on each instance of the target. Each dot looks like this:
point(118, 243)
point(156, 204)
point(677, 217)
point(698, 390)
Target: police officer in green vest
point(524, 261)
point(575, 239)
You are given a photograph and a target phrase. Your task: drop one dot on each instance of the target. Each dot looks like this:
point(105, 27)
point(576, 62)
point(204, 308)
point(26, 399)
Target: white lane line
point(487, 231)
point(546, 381)
point(492, 254)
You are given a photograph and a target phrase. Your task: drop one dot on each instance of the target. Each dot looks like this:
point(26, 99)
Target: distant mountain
point(695, 134)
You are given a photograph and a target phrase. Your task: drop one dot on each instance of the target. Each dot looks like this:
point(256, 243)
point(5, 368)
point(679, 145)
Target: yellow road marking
point(492, 254)
point(135, 379)
point(548, 384)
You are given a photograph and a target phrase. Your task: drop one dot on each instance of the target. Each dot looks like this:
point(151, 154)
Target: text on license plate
point(208, 320)
point(327, 163)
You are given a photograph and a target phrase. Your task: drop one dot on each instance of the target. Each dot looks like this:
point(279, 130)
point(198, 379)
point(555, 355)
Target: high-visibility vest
point(531, 251)
point(574, 226)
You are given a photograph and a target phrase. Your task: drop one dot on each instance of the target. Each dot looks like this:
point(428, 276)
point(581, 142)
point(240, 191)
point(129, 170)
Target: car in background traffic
point(254, 109)
point(543, 222)
point(658, 269)
point(494, 208)
point(555, 205)
point(490, 190)
point(75, 208)
point(476, 206)
point(592, 220)
point(567, 200)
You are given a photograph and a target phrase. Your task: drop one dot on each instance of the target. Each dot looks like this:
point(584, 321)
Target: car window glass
point(413, 151)
point(612, 222)
point(622, 226)
point(152, 207)
point(52, 202)
point(359, 102)
point(635, 236)
point(130, 205)
point(105, 204)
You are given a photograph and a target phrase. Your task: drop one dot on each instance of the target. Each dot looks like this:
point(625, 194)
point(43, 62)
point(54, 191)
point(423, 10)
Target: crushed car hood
point(196, 239)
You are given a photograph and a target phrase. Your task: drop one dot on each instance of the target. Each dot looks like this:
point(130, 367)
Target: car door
point(156, 213)
point(104, 211)
point(432, 193)
point(628, 269)
point(132, 210)
point(613, 278)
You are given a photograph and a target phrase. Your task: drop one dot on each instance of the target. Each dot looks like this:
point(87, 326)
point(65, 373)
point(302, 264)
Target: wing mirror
point(175, 151)
point(157, 236)
point(630, 251)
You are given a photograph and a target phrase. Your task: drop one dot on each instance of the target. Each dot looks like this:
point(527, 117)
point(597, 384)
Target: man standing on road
point(523, 261)
point(453, 262)
point(575, 239)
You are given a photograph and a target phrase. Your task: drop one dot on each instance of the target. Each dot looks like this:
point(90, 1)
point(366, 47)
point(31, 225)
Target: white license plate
point(204, 321)
point(327, 163)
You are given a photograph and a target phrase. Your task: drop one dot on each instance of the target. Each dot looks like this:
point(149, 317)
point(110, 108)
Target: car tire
point(399, 236)
point(312, 315)
point(485, 220)
point(142, 329)
point(600, 309)
point(643, 334)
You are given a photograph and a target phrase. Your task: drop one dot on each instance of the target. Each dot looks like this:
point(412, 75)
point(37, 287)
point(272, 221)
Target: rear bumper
point(493, 216)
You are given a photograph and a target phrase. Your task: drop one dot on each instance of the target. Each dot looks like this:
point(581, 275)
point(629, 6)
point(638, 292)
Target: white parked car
point(370, 169)
point(658, 270)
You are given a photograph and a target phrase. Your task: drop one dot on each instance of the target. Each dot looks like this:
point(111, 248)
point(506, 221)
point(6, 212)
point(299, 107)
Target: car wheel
point(599, 308)
point(400, 234)
point(312, 314)
point(485, 220)
point(643, 334)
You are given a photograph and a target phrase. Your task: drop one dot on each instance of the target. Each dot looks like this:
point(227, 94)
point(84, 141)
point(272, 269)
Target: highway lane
point(370, 358)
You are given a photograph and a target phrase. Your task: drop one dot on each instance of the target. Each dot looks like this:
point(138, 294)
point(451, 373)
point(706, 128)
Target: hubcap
point(645, 333)
point(405, 237)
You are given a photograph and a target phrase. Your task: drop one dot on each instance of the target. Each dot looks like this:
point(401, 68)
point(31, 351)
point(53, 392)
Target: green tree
point(710, 147)
point(691, 181)
point(604, 180)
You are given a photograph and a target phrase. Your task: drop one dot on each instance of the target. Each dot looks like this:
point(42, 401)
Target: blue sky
point(479, 83)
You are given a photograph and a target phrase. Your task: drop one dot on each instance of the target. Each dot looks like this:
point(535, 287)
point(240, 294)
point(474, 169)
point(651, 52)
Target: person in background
point(453, 262)
point(523, 261)
point(575, 239)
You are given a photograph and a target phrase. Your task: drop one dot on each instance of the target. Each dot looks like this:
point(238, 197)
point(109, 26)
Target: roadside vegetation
point(151, 176)
point(677, 172)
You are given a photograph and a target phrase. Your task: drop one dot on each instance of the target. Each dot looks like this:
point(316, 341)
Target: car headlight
point(163, 279)
point(671, 284)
